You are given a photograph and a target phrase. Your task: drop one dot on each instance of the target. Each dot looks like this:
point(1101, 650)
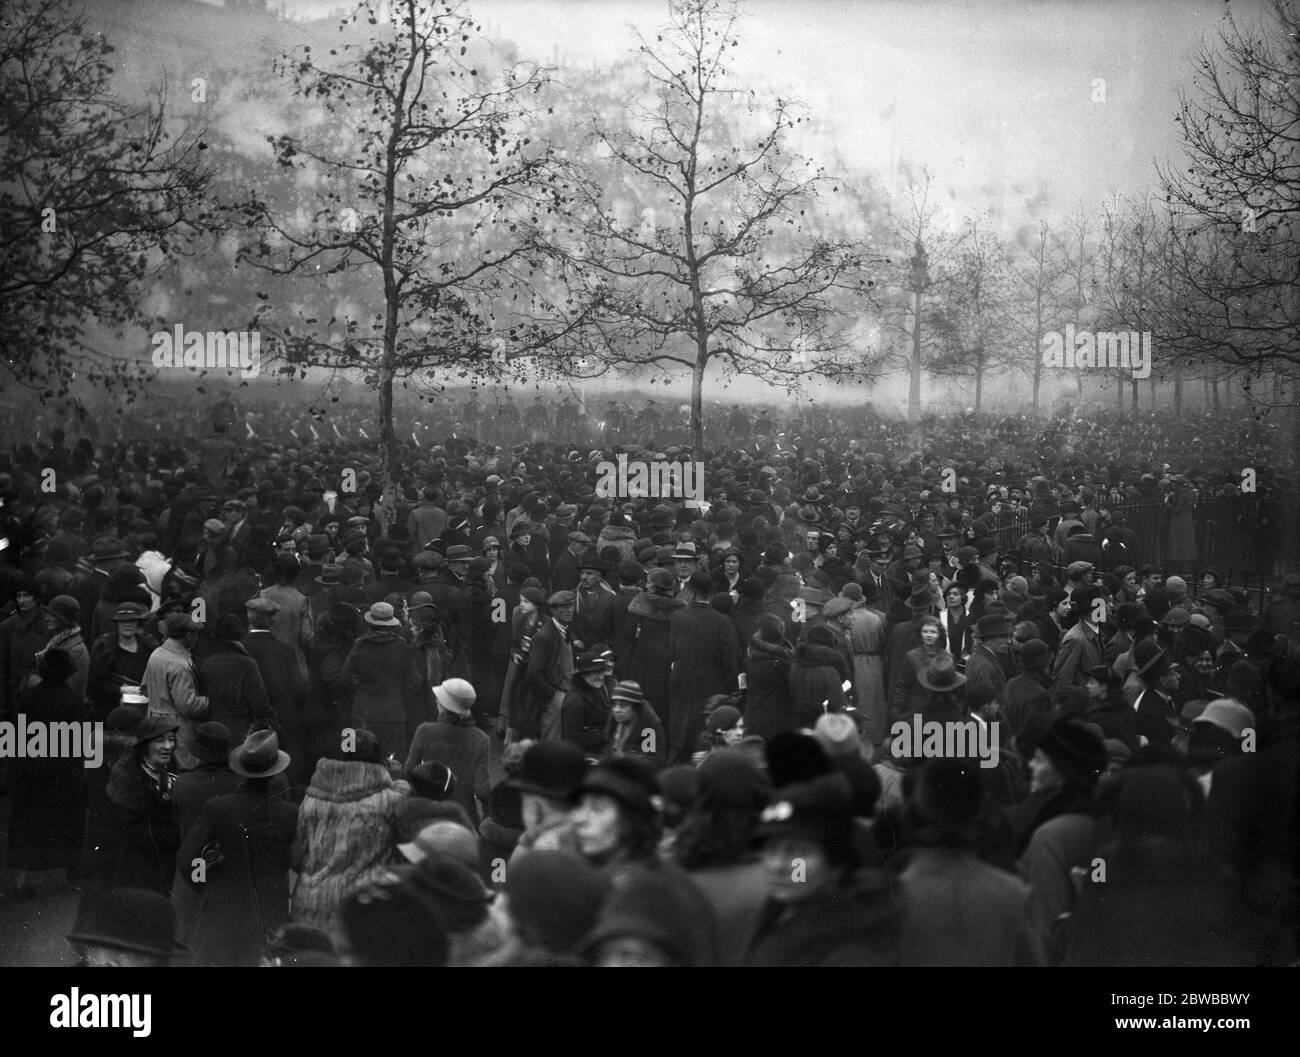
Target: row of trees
point(435, 206)
point(986, 302)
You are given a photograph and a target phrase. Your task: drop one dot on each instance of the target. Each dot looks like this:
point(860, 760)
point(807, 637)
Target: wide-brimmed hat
point(458, 552)
point(629, 780)
point(920, 598)
point(130, 611)
point(380, 615)
point(589, 661)
point(107, 548)
point(260, 756)
point(331, 574)
point(129, 919)
point(685, 551)
point(455, 695)
point(941, 673)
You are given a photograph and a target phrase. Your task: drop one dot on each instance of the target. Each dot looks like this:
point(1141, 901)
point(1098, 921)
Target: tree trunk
point(979, 387)
point(387, 440)
point(697, 396)
point(1178, 390)
point(914, 388)
point(1038, 370)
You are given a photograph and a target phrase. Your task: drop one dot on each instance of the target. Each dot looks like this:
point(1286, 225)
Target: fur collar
point(346, 780)
point(656, 607)
point(777, 651)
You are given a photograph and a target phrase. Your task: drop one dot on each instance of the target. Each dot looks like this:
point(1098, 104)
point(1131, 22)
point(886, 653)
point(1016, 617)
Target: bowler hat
point(551, 769)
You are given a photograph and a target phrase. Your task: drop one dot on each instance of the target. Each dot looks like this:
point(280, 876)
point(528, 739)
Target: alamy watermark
point(1106, 349)
point(211, 350)
point(37, 740)
point(653, 479)
point(952, 739)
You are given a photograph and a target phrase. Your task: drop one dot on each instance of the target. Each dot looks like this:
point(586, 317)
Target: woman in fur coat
point(347, 830)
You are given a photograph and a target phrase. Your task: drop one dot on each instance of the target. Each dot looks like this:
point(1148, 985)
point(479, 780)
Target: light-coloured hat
point(381, 615)
point(455, 695)
point(443, 837)
point(1229, 715)
point(837, 734)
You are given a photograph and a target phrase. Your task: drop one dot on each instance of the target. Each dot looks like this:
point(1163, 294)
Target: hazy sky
point(995, 96)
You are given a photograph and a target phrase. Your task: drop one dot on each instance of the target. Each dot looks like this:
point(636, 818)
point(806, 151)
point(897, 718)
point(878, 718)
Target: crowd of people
point(497, 718)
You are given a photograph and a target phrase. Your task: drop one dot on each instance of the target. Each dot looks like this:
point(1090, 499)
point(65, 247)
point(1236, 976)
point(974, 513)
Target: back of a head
point(387, 926)
point(1153, 803)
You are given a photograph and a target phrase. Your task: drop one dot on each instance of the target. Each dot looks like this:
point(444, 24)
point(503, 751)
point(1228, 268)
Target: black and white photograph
point(652, 483)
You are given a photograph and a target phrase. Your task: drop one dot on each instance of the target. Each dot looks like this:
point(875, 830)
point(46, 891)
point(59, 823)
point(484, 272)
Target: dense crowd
point(885, 694)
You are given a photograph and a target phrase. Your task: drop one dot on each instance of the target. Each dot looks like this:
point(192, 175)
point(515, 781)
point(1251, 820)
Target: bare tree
point(972, 316)
point(416, 189)
point(1239, 191)
point(692, 224)
point(1037, 275)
